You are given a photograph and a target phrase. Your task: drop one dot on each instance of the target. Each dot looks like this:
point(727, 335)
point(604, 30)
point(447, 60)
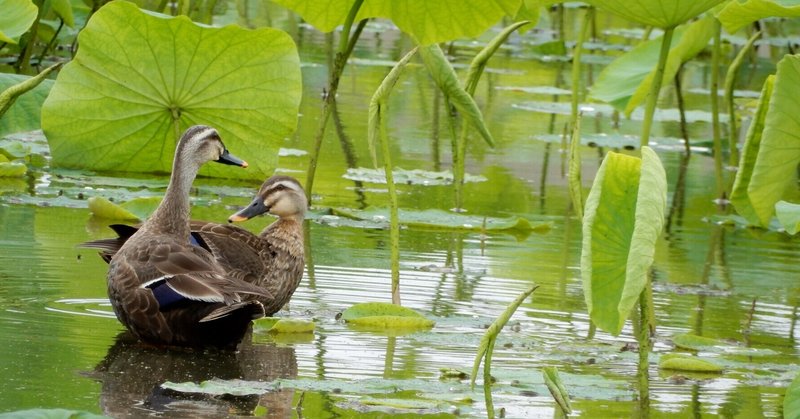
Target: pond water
point(63, 348)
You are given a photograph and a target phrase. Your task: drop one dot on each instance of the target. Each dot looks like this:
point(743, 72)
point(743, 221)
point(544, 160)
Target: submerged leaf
point(280, 325)
point(16, 19)
point(134, 86)
point(623, 218)
point(687, 363)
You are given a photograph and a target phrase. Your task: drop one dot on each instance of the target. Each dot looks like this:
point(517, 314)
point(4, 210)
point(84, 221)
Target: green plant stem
point(730, 81)
point(682, 112)
point(23, 65)
point(346, 44)
point(50, 44)
point(487, 379)
point(715, 57)
point(643, 336)
point(655, 89)
point(394, 219)
point(576, 66)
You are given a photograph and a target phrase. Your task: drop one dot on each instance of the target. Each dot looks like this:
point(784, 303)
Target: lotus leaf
point(103, 208)
point(12, 169)
point(775, 167)
point(659, 13)
point(736, 14)
point(16, 19)
point(24, 113)
point(140, 79)
point(428, 22)
point(791, 401)
point(623, 218)
point(789, 216)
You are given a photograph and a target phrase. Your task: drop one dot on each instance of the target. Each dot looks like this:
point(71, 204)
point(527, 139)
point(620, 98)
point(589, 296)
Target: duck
point(164, 289)
point(272, 260)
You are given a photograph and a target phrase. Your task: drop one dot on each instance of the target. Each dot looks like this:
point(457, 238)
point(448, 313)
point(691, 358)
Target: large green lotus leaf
point(429, 22)
point(140, 79)
point(739, 196)
point(24, 114)
point(626, 82)
point(623, 218)
point(736, 14)
point(791, 401)
point(658, 13)
point(775, 168)
point(16, 19)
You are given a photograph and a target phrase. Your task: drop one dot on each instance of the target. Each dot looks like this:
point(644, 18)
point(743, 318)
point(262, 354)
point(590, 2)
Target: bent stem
point(655, 88)
point(346, 44)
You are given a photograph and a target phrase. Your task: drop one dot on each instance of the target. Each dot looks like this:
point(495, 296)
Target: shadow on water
point(131, 375)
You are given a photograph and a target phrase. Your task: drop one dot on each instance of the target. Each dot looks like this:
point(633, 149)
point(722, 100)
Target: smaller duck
point(166, 290)
point(272, 260)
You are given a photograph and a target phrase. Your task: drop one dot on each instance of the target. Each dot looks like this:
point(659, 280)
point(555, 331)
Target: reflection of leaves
point(624, 215)
point(428, 22)
point(17, 17)
point(111, 111)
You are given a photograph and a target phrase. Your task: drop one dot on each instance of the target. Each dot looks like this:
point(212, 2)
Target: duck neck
point(172, 215)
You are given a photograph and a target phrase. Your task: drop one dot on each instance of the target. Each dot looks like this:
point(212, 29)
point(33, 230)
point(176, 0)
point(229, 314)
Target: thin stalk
point(643, 336)
point(655, 89)
point(394, 219)
point(50, 44)
point(730, 81)
point(576, 65)
point(346, 44)
point(682, 112)
point(715, 58)
point(487, 380)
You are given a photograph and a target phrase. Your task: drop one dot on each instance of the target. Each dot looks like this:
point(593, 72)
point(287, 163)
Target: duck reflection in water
point(131, 375)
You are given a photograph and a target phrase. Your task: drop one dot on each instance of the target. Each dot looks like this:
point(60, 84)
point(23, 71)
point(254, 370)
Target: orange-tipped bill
point(255, 208)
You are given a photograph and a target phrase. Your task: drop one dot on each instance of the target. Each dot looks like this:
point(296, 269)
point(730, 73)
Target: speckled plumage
point(272, 260)
point(205, 306)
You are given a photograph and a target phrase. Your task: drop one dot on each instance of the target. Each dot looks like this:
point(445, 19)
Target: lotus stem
point(730, 81)
point(394, 219)
point(715, 57)
point(655, 89)
point(576, 65)
point(346, 43)
point(487, 379)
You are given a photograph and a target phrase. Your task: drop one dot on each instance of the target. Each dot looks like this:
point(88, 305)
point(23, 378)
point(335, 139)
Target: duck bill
point(228, 158)
point(255, 208)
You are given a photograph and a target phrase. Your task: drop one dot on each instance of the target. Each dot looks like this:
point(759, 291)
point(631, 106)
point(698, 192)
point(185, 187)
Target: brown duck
point(164, 289)
point(272, 260)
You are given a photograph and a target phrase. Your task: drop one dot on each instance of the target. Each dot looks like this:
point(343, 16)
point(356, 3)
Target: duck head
point(281, 196)
point(201, 143)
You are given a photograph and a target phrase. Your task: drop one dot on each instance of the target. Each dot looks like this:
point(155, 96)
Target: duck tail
point(253, 308)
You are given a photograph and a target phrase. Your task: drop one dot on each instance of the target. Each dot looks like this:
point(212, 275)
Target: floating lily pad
point(706, 344)
point(280, 325)
point(687, 363)
point(12, 169)
point(407, 177)
point(439, 219)
point(386, 316)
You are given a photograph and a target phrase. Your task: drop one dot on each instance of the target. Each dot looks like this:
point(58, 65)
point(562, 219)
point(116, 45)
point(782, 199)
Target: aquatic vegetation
point(384, 316)
point(128, 112)
point(18, 18)
point(682, 362)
